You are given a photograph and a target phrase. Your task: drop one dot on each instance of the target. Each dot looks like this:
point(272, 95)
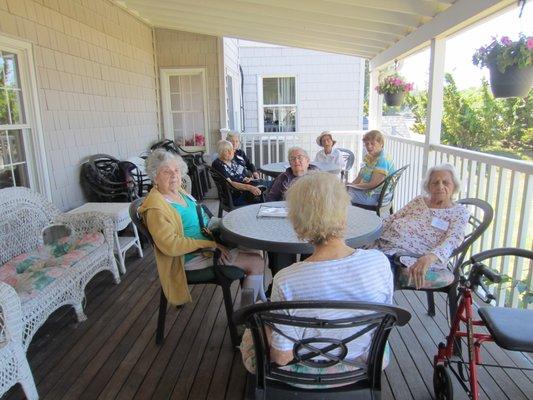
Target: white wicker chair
point(14, 366)
point(23, 215)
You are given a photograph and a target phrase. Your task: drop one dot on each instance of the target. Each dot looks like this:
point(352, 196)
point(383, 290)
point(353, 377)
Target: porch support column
point(435, 97)
point(374, 101)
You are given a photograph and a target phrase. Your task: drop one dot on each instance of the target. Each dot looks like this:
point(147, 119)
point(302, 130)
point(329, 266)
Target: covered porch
point(113, 354)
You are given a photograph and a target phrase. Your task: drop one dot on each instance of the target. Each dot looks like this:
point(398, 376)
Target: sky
point(461, 47)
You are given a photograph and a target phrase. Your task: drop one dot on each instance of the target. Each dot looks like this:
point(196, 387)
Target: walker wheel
point(442, 384)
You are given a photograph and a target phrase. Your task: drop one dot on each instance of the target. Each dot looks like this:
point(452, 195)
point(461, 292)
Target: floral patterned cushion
point(30, 273)
point(435, 278)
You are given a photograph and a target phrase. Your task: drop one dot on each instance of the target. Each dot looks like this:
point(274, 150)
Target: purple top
point(282, 183)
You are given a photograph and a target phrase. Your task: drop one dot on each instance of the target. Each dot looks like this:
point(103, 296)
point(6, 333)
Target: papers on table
point(270, 211)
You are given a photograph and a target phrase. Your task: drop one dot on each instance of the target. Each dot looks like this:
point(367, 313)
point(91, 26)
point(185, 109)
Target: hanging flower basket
point(394, 99)
point(394, 88)
point(510, 64)
point(514, 82)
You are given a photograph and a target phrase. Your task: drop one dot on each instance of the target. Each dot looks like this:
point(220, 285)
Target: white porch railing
point(504, 183)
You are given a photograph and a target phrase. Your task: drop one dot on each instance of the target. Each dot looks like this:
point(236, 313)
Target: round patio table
point(275, 169)
point(242, 226)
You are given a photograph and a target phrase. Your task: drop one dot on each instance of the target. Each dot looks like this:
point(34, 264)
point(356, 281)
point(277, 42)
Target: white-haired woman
point(171, 216)
point(431, 224)
point(328, 153)
point(235, 174)
point(334, 271)
point(240, 156)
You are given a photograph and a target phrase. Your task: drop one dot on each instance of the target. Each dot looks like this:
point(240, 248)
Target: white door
point(184, 103)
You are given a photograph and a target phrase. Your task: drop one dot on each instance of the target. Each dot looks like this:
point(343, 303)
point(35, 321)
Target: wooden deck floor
point(113, 354)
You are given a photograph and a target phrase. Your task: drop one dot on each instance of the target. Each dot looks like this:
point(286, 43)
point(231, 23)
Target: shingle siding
point(328, 86)
point(96, 83)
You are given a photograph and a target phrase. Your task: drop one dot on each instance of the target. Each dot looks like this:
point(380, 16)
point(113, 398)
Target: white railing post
point(435, 97)
point(374, 101)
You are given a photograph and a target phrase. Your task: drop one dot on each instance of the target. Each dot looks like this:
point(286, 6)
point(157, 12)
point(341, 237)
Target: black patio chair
point(348, 158)
point(222, 276)
point(343, 322)
point(103, 179)
point(226, 192)
point(386, 196)
point(200, 164)
point(477, 225)
point(131, 170)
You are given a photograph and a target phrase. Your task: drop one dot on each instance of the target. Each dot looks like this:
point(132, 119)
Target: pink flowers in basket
point(393, 84)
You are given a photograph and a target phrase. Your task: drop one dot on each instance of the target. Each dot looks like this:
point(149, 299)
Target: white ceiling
point(364, 28)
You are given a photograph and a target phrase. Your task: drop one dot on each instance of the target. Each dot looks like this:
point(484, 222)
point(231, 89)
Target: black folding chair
point(477, 225)
point(386, 196)
point(222, 276)
point(338, 326)
point(226, 192)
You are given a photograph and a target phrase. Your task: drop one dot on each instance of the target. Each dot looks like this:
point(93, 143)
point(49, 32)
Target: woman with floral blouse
point(432, 225)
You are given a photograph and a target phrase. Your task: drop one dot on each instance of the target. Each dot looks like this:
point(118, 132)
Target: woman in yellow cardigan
point(171, 216)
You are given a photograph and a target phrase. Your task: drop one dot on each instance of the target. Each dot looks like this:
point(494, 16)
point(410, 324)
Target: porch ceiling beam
point(221, 17)
point(261, 11)
point(458, 16)
point(344, 11)
point(416, 7)
point(236, 28)
point(319, 45)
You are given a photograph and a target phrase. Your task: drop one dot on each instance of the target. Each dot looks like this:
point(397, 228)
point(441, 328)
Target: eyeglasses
point(299, 158)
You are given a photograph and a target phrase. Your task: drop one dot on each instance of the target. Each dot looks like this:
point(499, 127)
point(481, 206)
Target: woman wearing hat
point(328, 153)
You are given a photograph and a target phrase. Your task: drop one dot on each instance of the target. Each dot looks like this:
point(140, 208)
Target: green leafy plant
point(505, 53)
point(393, 84)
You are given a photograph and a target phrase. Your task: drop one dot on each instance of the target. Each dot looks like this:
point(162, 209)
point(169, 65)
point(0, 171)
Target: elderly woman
point(432, 225)
point(235, 174)
point(334, 271)
point(171, 216)
point(376, 167)
point(299, 166)
point(328, 153)
point(240, 156)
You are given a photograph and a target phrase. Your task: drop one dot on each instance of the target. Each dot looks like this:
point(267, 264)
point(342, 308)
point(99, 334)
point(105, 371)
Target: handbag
point(211, 232)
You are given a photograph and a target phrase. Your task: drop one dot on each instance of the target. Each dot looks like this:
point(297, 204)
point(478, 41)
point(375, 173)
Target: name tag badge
point(440, 223)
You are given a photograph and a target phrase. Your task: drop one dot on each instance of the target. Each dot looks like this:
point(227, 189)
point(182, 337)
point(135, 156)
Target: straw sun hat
point(325, 133)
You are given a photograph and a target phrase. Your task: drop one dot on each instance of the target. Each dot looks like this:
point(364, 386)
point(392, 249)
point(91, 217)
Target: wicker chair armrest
point(11, 314)
point(89, 222)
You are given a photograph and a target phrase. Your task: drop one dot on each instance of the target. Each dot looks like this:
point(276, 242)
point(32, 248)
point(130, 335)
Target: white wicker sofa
point(46, 279)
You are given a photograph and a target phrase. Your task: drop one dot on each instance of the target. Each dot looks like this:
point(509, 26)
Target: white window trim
point(235, 81)
point(36, 160)
point(165, 74)
point(260, 105)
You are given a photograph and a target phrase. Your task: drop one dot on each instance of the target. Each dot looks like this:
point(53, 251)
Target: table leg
point(137, 241)
point(278, 261)
point(122, 266)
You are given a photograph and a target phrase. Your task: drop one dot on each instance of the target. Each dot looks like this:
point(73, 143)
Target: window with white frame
point(22, 160)
point(279, 104)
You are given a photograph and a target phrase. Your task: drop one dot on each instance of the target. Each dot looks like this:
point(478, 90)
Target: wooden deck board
point(113, 354)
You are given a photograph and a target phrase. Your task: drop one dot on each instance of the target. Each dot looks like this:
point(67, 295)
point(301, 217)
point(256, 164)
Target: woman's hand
point(254, 190)
point(247, 180)
point(224, 253)
point(418, 270)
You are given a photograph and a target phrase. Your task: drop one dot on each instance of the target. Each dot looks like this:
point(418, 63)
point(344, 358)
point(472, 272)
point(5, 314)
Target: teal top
point(382, 164)
point(189, 218)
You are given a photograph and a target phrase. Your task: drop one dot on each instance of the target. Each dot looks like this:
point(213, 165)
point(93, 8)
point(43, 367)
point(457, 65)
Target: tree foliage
point(475, 120)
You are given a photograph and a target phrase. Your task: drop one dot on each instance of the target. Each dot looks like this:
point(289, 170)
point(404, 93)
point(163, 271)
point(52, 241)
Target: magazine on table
point(272, 211)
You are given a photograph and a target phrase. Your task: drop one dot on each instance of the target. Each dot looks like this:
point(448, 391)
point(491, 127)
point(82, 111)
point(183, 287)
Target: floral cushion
point(435, 279)
point(29, 273)
point(249, 361)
